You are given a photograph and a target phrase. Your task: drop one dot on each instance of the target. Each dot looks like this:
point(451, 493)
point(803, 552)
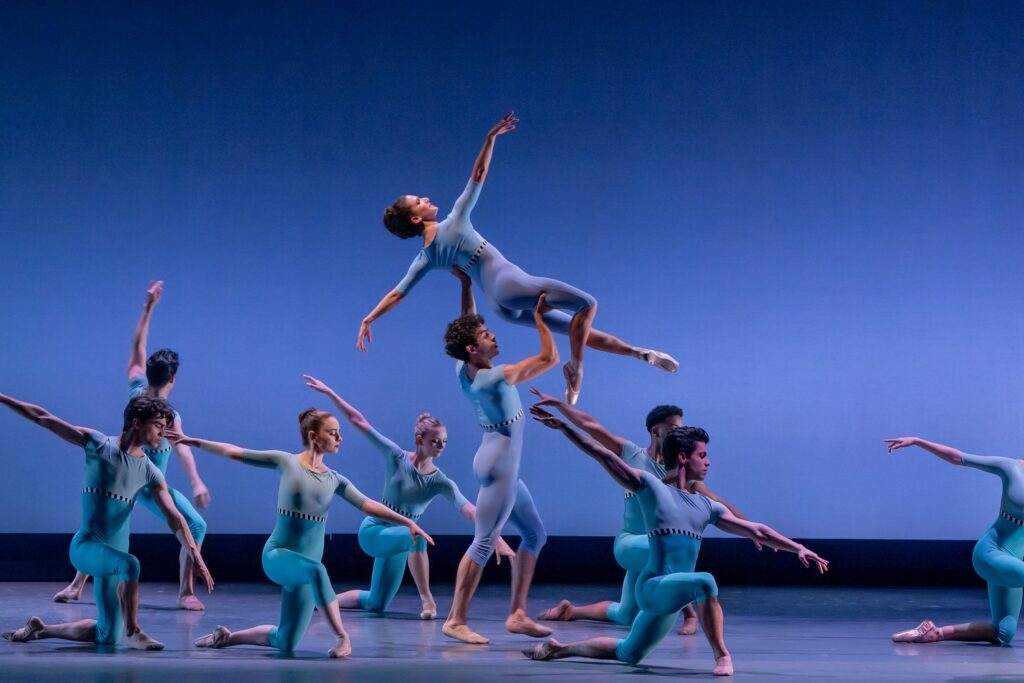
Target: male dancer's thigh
point(527, 520)
point(669, 593)
point(108, 566)
point(195, 521)
point(632, 550)
point(496, 467)
point(296, 611)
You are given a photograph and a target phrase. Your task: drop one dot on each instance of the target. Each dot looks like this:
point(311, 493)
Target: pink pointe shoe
point(925, 632)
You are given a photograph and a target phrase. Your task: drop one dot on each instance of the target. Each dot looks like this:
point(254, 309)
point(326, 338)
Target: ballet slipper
point(191, 603)
point(428, 612)
point(140, 641)
point(543, 651)
point(217, 639)
point(27, 632)
point(463, 633)
point(342, 650)
point(659, 360)
point(559, 612)
point(723, 666)
point(68, 594)
point(520, 623)
point(925, 632)
point(573, 378)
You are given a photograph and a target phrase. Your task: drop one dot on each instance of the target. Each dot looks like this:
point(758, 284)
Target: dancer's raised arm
point(390, 300)
point(137, 359)
point(1001, 466)
point(349, 411)
point(613, 464)
point(547, 358)
point(765, 535)
point(581, 419)
point(42, 417)
point(178, 525)
point(467, 303)
point(483, 159)
point(947, 453)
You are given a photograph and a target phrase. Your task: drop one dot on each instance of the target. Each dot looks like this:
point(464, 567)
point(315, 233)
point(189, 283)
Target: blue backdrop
point(815, 206)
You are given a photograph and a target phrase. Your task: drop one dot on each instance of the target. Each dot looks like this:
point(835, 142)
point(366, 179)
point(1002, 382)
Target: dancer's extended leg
point(83, 631)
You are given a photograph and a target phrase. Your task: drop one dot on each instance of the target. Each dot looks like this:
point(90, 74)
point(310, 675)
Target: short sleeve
point(153, 473)
point(419, 267)
point(95, 439)
point(137, 386)
point(349, 492)
point(467, 200)
point(717, 510)
point(385, 445)
point(629, 452)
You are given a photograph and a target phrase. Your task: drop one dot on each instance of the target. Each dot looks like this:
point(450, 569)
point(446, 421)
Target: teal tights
point(390, 546)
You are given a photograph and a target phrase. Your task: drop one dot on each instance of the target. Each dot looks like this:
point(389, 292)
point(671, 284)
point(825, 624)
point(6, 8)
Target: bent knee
point(197, 527)
point(707, 588)
point(533, 541)
point(130, 569)
point(284, 640)
point(627, 654)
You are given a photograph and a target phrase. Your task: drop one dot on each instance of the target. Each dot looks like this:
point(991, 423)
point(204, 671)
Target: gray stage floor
point(775, 634)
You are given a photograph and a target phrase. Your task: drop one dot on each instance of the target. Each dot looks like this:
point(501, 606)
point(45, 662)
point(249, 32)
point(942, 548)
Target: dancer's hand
point(901, 442)
point(201, 495)
point(417, 532)
point(316, 385)
point(201, 571)
point(806, 557)
point(176, 436)
point(153, 293)
point(542, 306)
point(365, 336)
point(503, 549)
point(461, 275)
point(546, 418)
point(544, 399)
point(507, 123)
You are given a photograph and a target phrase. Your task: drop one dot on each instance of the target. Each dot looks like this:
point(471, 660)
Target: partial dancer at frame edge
point(503, 496)
point(292, 555)
point(411, 482)
point(675, 522)
point(996, 556)
point(156, 376)
point(116, 471)
point(511, 292)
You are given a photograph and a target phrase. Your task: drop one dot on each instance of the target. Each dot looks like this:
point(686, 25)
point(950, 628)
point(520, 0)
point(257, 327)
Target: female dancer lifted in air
point(512, 293)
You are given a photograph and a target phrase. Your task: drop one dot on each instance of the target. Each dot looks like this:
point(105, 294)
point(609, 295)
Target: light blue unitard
point(511, 292)
point(631, 545)
point(997, 554)
point(160, 455)
point(112, 481)
point(503, 496)
point(408, 493)
point(292, 554)
point(675, 522)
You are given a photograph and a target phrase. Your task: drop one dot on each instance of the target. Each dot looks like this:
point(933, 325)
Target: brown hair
point(310, 420)
point(398, 220)
point(144, 408)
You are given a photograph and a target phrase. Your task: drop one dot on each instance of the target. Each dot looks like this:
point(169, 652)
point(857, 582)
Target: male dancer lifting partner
point(631, 544)
point(156, 377)
point(675, 520)
point(503, 496)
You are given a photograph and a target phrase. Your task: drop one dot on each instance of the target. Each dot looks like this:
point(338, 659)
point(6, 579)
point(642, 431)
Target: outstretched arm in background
point(581, 419)
point(627, 476)
point(137, 360)
point(47, 420)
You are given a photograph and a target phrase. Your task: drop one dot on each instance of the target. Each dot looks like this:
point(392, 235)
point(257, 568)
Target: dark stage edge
point(775, 634)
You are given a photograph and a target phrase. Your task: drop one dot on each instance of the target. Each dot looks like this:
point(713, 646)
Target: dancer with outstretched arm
point(491, 389)
point(411, 483)
point(116, 471)
point(675, 522)
point(292, 554)
point(996, 555)
point(156, 376)
point(631, 547)
point(511, 292)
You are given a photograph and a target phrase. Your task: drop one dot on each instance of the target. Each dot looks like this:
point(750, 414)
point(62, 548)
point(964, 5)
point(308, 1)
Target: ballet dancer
point(156, 377)
point(512, 293)
point(411, 483)
point(292, 554)
point(996, 555)
point(675, 522)
point(116, 472)
point(631, 547)
point(503, 496)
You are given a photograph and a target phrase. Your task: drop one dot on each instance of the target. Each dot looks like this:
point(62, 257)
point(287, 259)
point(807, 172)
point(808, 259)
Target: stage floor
point(774, 634)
